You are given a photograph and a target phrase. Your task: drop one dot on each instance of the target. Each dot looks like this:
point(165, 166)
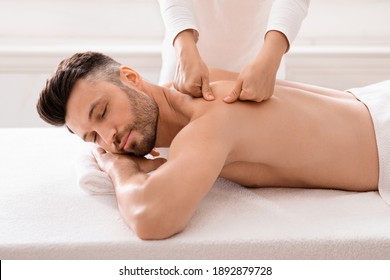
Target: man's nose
point(107, 135)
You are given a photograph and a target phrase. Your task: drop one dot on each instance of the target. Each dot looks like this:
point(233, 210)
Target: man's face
point(118, 118)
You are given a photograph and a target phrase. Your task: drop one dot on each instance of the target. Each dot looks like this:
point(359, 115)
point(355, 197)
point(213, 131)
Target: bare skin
point(303, 136)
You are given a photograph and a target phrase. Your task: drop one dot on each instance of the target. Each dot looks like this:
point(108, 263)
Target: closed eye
point(94, 138)
point(104, 112)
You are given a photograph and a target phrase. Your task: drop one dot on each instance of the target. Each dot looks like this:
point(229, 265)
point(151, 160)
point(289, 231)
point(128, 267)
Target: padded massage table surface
point(45, 215)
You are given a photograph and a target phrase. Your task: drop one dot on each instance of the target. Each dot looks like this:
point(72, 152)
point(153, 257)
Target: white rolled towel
point(89, 176)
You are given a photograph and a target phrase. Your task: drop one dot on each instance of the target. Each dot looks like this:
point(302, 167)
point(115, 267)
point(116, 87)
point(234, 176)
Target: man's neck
point(174, 112)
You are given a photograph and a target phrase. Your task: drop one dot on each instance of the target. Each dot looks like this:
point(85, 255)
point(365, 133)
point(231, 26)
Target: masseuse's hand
point(192, 74)
point(120, 166)
point(256, 81)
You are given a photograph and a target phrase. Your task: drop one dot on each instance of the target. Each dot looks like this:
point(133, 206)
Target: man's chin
point(139, 151)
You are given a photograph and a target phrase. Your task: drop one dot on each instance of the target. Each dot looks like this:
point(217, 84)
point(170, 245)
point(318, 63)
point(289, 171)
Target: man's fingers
point(235, 94)
point(148, 165)
point(98, 152)
point(155, 153)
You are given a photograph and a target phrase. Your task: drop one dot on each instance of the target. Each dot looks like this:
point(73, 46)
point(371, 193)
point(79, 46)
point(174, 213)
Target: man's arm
point(160, 205)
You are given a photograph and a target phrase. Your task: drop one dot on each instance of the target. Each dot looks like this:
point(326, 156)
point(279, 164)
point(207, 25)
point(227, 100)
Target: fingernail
point(210, 96)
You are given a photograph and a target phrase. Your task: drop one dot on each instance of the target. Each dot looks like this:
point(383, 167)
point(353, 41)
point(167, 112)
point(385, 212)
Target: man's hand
point(123, 166)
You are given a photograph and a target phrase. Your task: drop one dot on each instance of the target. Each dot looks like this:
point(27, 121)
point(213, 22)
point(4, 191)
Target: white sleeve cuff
point(287, 16)
point(178, 16)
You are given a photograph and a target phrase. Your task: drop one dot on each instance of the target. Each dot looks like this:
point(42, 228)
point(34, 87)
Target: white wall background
point(342, 43)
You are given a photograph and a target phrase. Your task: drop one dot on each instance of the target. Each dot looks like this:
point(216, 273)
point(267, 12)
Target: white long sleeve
point(287, 16)
point(231, 32)
point(178, 15)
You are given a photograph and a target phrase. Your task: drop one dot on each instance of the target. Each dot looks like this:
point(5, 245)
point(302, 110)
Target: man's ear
point(129, 75)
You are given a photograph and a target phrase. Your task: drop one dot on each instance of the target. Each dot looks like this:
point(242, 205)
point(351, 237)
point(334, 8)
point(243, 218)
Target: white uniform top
point(230, 32)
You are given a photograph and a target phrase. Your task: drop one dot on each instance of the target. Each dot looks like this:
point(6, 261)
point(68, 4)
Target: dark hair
point(53, 99)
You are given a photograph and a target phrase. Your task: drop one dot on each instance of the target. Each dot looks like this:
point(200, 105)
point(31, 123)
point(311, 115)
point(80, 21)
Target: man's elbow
point(152, 226)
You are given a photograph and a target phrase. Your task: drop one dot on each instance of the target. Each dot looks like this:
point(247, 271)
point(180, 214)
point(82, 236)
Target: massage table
point(44, 214)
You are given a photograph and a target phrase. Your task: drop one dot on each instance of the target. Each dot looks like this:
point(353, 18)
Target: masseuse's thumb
point(206, 90)
point(235, 93)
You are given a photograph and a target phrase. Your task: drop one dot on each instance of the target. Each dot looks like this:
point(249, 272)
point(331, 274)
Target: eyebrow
point(91, 110)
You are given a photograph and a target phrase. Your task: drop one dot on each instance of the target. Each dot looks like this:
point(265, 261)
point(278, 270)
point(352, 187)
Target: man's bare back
point(304, 136)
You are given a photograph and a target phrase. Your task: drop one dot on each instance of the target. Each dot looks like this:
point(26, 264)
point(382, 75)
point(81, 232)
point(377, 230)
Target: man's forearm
point(143, 201)
point(148, 206)
point(128, 193)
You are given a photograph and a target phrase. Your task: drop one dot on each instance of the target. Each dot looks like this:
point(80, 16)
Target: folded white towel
point(89, 176)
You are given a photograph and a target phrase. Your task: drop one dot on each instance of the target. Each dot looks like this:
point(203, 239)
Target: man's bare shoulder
point(222, 88)
point(216, 74)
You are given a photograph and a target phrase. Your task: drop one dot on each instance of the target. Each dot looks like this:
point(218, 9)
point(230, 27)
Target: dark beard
point(149, 129)
point(146, 114)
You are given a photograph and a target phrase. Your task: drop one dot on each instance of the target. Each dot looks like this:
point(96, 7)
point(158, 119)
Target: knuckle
point(236, 93)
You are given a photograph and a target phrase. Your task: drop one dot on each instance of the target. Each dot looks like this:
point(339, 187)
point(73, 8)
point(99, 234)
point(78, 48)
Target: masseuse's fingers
point(235, 93)
point(192, 76)
point(187, 78)
point(206, 89)
point(187, 86)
